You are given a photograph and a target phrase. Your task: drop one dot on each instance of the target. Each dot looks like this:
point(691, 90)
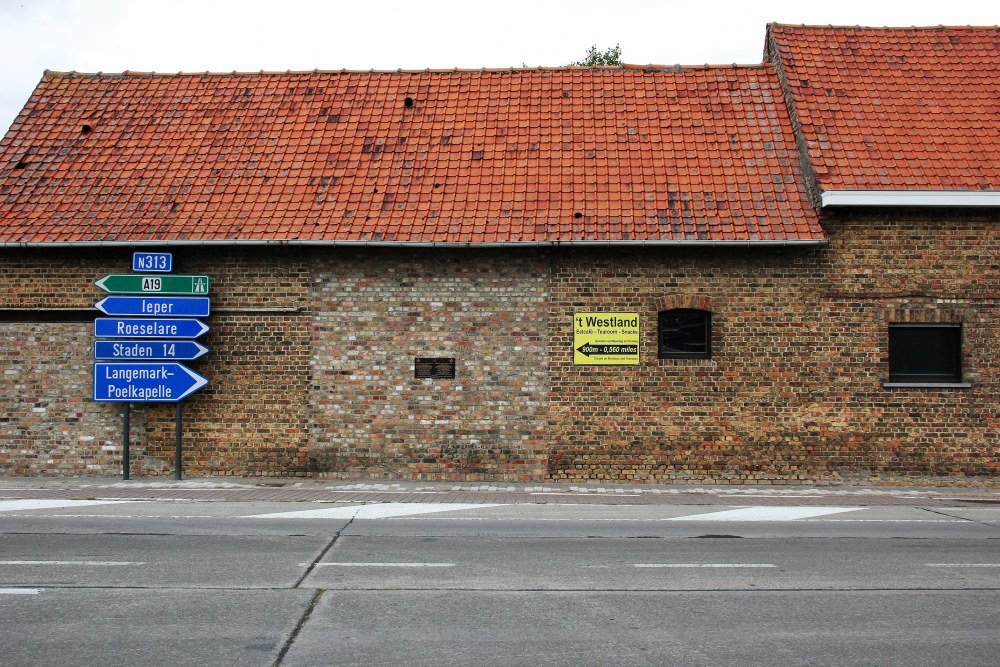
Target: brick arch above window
point(685, 301)
point(924, 312)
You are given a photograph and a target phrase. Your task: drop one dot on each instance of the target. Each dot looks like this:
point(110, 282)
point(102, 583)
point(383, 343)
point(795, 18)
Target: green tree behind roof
point(595, 58)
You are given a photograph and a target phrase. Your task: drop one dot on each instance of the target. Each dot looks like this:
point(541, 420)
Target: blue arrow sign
point(113, 327)
point(155, 306)
point(149, 350)
point(145, 383)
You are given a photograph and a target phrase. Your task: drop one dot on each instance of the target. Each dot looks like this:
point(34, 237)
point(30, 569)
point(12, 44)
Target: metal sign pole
point(125, 439)
point(177, 443)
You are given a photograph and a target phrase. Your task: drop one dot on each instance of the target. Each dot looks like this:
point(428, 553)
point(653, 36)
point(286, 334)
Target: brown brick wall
point(311, 367)
point(48, 424)
point(794, 390)
point(252, 417)
point(377, 311)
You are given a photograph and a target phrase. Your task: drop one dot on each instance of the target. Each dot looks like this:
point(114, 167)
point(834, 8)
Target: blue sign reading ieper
point(155, 306)
point(159, 262)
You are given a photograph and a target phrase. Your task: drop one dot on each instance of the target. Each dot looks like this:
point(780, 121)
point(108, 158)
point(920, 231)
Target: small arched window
point(685, 333)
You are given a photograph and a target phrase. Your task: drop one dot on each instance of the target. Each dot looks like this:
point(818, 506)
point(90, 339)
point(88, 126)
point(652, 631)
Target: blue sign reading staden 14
point(149, 350)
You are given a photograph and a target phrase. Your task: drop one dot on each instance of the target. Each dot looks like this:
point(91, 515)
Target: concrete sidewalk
point(299, 490)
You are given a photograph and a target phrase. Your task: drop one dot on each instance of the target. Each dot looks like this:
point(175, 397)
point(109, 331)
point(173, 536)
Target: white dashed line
point(88, 563)
point(718, 565)
point(20, 591)
point(383, 564)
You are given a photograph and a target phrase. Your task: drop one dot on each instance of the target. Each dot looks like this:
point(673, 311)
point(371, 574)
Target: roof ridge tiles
point(775, 24)
point(74, 74)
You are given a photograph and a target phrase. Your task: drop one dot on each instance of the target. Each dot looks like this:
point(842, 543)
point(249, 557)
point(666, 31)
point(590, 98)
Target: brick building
point(809, 245)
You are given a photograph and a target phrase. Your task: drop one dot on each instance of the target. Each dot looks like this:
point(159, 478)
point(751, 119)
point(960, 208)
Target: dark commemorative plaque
point(438, 368)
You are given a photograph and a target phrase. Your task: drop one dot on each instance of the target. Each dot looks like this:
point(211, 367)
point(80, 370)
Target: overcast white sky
point(250, 35)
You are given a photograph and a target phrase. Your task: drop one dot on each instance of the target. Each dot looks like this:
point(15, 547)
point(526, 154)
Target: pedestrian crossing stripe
point(397, 510)
point(51, 503)
point(767, 513)
point(375, 511)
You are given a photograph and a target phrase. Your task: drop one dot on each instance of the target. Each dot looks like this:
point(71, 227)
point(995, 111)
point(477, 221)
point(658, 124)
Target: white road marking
point(382, 564)
point(492, 519)
point(21, 591)
point(766, 513)
point(963, 564)
point(766, 495)
point(118, 516)
point(578, 494)
point(374, 511)
point(719, 565)
point(51, 503)
point(71, 562)
point(884, 521)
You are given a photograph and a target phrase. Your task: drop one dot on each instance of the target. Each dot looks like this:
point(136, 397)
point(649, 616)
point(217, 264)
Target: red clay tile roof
point(895, 108)
point(439, 157)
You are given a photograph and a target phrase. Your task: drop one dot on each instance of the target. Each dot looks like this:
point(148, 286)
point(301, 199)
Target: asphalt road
point(91, 582)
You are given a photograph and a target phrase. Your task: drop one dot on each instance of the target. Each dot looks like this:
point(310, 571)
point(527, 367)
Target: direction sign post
point(164, 307)
point(125, 441)
point(137, 283)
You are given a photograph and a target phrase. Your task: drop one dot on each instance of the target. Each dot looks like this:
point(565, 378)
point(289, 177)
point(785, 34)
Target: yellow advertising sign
point(606, 339)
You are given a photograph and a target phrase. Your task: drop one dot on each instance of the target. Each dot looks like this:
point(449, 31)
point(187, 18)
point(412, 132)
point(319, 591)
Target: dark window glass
point(685, 334)
point(926, 353)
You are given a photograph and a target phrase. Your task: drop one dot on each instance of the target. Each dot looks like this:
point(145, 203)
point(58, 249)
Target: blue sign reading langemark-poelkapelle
point(149, 350)
point(155, 306)
point(159, 327)
point(158, 262)
point(145, 383)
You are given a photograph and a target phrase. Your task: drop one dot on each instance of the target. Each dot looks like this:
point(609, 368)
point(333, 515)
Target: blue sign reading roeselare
point(113, 327)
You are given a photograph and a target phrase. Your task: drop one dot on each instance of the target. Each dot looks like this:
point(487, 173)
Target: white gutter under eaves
point(922, 198)
point(415, 244)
